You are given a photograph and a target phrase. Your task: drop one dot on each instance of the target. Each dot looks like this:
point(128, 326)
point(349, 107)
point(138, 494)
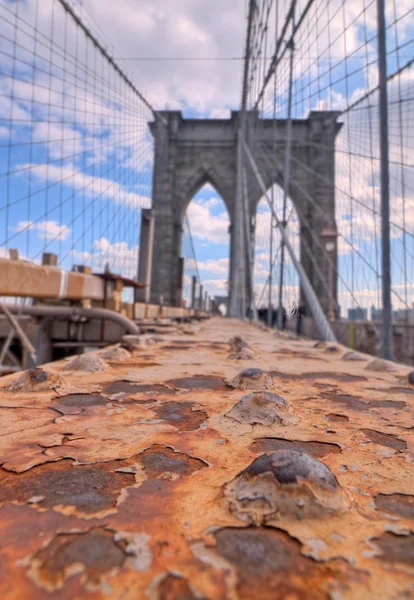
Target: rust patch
point(399, 504)
point(396, 548)
point(66, 404)
point(132, 365)
point(269, 565)
point(159, 459)
point(337, 418)
point(314, 449)
point(181, 415)
point(90, 489)
point(174, 588)
point(129, 387)
point(198, 382)
point(325, 375)
point(356, 403)
point(400, 390)
point(385, 439)
point(94, 553)
point(176, 347)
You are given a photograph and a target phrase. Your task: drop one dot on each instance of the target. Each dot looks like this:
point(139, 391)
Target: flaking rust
point(233, 465)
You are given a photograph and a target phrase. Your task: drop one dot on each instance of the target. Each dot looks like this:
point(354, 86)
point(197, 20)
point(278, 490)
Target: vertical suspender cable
point(286, 178)
point(386, 342)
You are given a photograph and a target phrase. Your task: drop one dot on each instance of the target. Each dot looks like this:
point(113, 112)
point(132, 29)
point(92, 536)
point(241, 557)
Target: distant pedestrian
point(300, 312)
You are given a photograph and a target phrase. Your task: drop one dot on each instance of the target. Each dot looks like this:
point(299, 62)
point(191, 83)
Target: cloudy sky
point(79, 176)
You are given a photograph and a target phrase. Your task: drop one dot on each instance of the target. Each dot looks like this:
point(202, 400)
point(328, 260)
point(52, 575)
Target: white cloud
point(219, 266)
point(120, 257)
point(47, 230)
point(205, 226)
point(97, 187)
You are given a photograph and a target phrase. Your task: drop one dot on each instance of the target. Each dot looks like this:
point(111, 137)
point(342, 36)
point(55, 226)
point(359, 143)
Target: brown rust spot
point(356, 403)
point(396, 548)
point(95, 553)
point(399, 504)
point(324, 375)
point(270, 566)
point(174, 588)
point(80, 400)
point(313, 448)
point(385, 439)
point(337, 418)
point(181, 415)
point(133, 364)
point(130, 387)
point(400, 390)
point(176, 347)
point(159, 459)
point(90, 489)
point(198, 382)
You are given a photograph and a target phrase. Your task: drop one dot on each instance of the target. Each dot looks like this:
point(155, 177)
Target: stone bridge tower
point(192, 152)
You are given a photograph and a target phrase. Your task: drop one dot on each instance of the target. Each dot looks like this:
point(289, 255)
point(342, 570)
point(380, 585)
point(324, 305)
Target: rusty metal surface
point(171, 471)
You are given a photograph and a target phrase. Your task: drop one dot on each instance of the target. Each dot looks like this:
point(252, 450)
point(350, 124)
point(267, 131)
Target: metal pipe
point(386, 341)
point(70, 311)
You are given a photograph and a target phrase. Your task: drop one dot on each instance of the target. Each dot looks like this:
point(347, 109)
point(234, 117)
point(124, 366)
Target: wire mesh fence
point(326, 53)
point(75, 149)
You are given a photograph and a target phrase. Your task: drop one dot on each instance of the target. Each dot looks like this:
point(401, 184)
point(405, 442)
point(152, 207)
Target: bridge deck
point(131, 481)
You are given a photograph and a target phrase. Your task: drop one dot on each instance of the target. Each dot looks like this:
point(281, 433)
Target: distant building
point(357, 314)
point(376, 313)
point(404, 315)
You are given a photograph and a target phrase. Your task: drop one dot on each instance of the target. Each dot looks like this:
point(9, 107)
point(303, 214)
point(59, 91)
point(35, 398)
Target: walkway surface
point(148, 476)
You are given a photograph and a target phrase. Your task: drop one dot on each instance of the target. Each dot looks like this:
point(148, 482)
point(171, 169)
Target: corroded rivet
point(242, 354)
point(237, 343)
point(38, 375)
point(252, 379)
point(87, 362)
point(286, 483)
point(116, 353)
point(263, 407)
point(36, 380)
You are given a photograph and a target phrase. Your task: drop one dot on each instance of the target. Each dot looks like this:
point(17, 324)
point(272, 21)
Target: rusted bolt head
point(116, 354)
point(286, 483)
point(263, 407)
point(87, 362)
point(252, 379)
point(36, 380)
point(242, 354)
point(237, 343)
point(38, 375)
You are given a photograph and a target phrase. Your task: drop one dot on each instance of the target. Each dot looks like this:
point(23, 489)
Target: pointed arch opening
point(268, 255)
point(206, 246)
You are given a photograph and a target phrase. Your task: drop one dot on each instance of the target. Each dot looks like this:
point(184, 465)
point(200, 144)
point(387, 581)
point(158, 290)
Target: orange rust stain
point(136, 481)
point(315, 449)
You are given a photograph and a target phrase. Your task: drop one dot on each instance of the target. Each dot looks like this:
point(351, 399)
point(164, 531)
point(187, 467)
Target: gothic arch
point(192, 152)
